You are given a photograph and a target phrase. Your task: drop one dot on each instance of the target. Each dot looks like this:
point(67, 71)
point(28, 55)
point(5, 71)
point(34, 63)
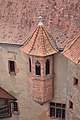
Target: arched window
point(37, 68)
point(29, 64)
point(47, 67)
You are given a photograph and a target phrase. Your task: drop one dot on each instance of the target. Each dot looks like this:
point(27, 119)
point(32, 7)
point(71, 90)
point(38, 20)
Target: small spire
point(40, 21)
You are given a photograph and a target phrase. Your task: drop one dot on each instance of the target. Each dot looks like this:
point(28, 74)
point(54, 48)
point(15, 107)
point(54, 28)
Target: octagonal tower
point(40, 48)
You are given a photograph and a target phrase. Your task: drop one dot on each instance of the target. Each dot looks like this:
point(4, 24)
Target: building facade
point(39, 81)
point(72, 52)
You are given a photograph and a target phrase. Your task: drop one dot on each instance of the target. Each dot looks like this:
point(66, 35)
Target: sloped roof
point(18, 19)
point(40, 43)
point(72, 50)
point(5, 95)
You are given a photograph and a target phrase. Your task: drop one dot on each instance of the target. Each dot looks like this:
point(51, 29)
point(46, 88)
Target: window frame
point(30, 65)
point(47, 67)
point(37, 68)
point(56, 109)
point(12, 72)
point(15, 107)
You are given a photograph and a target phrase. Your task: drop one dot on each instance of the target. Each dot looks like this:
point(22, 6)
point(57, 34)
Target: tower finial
point(40, 21)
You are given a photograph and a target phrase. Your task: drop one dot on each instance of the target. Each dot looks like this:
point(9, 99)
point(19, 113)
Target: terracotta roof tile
point(40, 43)
point(72, 50)
point(19, 17)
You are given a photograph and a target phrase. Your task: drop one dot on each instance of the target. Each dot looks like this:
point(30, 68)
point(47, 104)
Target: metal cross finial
point(40, 21)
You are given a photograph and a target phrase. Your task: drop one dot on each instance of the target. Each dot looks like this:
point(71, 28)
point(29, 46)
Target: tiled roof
point(19, 17)
point(5, 95)
point(72, 50)
point(40, 43)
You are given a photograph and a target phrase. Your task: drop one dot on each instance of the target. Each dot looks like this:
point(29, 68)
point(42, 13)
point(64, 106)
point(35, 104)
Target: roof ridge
point(53, 41)
point(46, 32)
point(43, 41)
point(26, 42)
point(35, 38)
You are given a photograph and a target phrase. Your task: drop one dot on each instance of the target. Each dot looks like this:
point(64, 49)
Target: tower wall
point(41, 86)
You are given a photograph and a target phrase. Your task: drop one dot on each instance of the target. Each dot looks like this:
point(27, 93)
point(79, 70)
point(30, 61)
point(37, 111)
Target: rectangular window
point(57, 110)
point(11, 67)
point(52, 109)
point(15, 106)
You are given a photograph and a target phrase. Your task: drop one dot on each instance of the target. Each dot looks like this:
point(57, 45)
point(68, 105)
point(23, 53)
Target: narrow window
point(47, 67)
point(29, 64)
point(75, 81)
point(63, 113)
point(37, 68)
point(15, 106)
point(70, 104)
point(58, 112)
point(11, 66)
point(52, 109)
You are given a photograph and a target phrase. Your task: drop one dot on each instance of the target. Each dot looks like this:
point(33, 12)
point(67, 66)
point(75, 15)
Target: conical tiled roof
point(72, 50)
point(40, 43)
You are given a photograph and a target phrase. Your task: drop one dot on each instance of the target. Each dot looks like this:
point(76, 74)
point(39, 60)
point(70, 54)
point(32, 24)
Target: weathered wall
point(73, 91)
point(60, 78)
point(18, 85)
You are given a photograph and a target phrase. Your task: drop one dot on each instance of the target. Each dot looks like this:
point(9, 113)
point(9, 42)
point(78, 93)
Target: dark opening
point(11, 66)
point(52, 112)
point(29, 64)
point(70, 104)
point(63, 113)
point(75, 81)
point(58, 112)
point(15, 106)
point(38, 68)
point(47, 67)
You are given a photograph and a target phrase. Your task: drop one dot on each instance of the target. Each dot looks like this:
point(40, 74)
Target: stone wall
point(60, 78)
point(18, 85)
point(73, 91)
